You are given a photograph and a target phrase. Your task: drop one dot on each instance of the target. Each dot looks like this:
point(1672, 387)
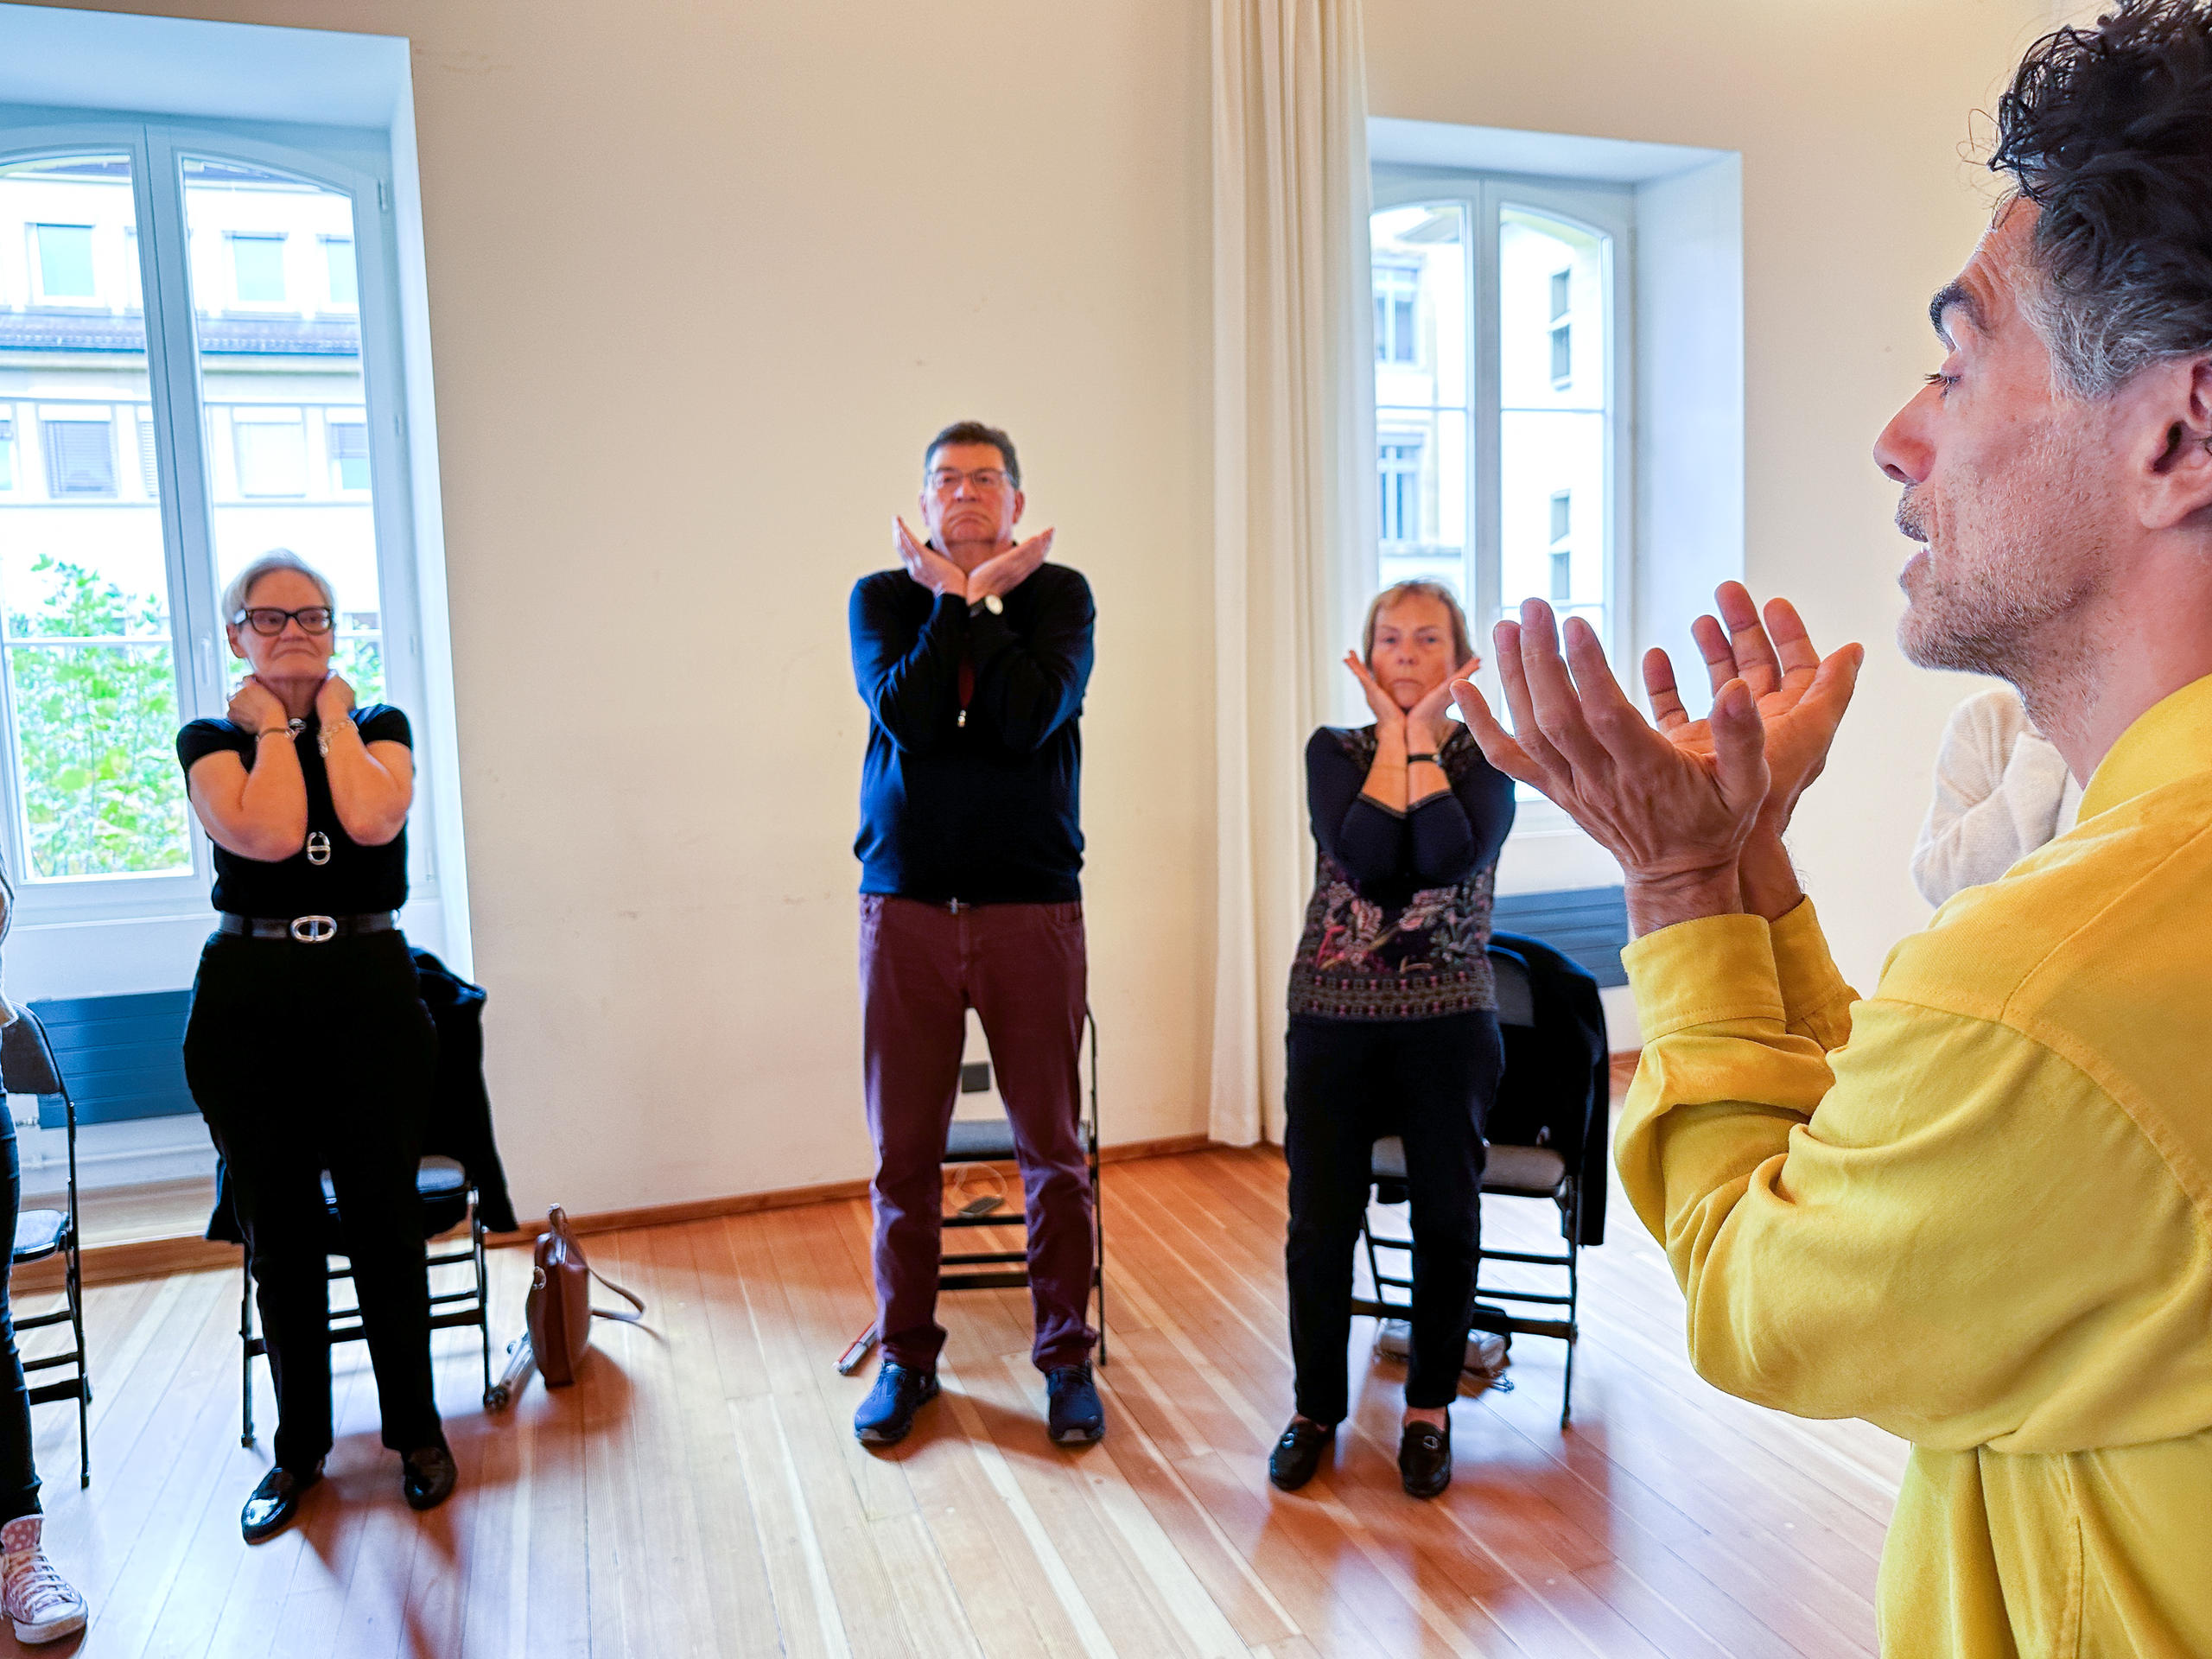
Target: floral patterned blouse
point(1398, 927)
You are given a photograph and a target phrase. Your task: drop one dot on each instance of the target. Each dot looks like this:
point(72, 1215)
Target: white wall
point(701, 280)
point(1689, 404)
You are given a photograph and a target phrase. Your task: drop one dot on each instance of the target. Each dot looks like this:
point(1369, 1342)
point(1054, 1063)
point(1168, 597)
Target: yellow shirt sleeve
point(1815, 1000)
point(1896, 1229)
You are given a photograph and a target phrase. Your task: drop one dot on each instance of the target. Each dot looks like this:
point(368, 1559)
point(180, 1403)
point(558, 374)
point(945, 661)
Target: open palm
point(1801, 696)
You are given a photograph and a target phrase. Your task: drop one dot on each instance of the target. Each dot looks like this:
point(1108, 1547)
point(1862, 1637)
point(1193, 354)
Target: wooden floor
point(701, 1493)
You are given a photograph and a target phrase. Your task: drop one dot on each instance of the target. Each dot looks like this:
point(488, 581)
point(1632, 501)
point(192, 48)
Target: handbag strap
point(557, 1218)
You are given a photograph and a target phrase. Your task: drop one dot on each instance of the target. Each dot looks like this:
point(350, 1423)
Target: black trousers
point(307, 1058)
point(18, 1474)
point(1351, 1082)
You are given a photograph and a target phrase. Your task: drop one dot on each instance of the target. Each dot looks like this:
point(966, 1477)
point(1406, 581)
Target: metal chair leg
point(245, 1348)
point(483, 1297)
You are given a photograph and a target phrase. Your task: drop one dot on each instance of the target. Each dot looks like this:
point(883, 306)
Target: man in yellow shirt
point(1972, 1207)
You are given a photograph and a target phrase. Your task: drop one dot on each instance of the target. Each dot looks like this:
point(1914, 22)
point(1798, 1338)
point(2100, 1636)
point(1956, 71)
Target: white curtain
point(1294, 524)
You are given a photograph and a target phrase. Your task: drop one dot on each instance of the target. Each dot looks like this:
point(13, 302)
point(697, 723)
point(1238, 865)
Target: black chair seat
point(1514, 1171)
point(441, 1183)
point(38, 1233)
point(1524, 1172)
point(978, 1140)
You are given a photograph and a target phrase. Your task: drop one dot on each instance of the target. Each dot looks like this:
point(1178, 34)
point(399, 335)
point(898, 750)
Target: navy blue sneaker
point(1073, 1414)
point(889, 1411)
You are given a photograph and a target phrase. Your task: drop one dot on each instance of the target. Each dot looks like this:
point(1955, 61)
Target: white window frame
point(358, 165)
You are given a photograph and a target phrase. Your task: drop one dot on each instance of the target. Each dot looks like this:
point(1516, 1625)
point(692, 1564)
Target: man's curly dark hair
point(2108, 132)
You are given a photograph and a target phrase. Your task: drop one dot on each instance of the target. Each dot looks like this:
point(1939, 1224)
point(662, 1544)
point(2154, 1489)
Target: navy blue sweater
point(984, 810)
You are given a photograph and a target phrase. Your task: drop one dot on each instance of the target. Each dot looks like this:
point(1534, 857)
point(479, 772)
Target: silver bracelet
point(274, 731)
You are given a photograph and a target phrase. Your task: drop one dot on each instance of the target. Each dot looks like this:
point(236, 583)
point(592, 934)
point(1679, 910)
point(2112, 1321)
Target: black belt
point(307, 930)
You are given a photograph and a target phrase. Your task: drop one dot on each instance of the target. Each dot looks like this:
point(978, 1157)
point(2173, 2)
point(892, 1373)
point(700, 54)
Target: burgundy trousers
point(1022, 969)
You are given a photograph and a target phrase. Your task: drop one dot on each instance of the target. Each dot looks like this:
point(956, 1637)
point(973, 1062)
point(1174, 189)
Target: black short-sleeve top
point(332, 874)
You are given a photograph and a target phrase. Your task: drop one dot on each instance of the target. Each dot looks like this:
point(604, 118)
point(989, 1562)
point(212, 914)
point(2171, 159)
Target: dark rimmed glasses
point(268, 621)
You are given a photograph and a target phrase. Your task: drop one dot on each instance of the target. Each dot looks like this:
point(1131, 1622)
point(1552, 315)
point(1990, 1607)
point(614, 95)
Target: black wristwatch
point(989, 602)
point(1412, 758)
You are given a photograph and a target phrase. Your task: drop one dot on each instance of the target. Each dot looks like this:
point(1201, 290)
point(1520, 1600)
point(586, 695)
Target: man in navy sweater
point(972, 657)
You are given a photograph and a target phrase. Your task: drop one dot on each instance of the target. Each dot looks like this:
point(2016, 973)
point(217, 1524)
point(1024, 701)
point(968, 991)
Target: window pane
point(1421, 367)
point(65, 262)
point(1553, 419)
point(80, 452)
point(349, 450)
point(281, 389)
point(337, 258)
point(272, 450)
point(257, 264)
point(84, 610)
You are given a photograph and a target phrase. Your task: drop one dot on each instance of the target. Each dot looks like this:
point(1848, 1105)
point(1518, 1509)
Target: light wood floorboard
point(699, 1493)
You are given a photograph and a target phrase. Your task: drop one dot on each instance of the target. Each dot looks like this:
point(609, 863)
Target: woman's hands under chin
point(255, 707)
point(1426, 723)
point(334, 701)
point(1388, 716)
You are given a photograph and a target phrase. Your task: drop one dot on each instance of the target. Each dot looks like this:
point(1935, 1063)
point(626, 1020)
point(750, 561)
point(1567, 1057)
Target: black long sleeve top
point(972, 787)
point(1398, 926)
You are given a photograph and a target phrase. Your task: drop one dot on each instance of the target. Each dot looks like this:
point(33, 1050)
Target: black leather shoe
point(1425, 1459)
point(889, 1411)
point(1073, 1414)
point(274, 1502)
point(1298, 1453)
point(427, 1477)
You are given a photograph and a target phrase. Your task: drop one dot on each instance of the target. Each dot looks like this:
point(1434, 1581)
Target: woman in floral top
point(1393, 1022)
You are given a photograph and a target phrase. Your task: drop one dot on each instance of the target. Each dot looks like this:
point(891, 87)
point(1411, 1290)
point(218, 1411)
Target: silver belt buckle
point(315, 930)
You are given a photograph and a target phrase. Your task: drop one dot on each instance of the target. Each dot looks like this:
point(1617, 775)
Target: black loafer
point(889, 1411)
point(427, 1477)
point(1073, 1415)
point(1298, 1453)
point(274, 1502)
point(1425, 1459)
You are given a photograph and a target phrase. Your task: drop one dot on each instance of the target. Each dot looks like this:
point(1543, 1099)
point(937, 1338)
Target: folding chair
point(447, 1197)
point(27, 1067)
point(986, 1141)
point(1559, 1111)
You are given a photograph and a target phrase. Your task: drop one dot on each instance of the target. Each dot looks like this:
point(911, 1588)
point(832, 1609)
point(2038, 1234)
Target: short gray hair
point(277, 558)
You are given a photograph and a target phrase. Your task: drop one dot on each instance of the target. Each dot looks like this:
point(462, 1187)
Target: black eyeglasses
point(268, 621)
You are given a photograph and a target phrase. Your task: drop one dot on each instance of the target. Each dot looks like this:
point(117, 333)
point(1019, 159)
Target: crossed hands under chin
point(1692, 808)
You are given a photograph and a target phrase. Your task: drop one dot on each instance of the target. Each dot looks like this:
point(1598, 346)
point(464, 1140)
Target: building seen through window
point(95, 676)
point(1495, 446)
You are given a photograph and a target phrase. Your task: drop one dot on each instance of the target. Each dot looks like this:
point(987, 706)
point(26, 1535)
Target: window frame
point(1607, 211)
point(355, 164)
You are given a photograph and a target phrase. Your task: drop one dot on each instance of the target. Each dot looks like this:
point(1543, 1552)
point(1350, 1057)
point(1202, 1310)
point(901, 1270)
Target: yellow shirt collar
point(2170, 739)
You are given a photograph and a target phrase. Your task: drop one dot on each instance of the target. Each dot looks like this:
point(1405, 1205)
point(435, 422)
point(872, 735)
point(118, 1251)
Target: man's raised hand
point(1677, 817)
point(1801, 695)
point(1004, 572)
point(925, 565)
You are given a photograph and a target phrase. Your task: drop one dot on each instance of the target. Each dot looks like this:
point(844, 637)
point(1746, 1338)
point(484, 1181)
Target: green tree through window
point(96, 729)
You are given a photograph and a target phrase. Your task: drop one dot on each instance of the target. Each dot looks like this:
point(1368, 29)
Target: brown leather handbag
point(559, 1307)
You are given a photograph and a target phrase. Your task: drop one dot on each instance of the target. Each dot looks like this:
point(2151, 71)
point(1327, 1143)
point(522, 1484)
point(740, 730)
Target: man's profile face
point(2010, 483)
point(966, 497)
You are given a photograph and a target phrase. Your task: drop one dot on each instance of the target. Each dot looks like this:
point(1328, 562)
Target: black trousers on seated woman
point(1350, 1083)
point(307, 1058)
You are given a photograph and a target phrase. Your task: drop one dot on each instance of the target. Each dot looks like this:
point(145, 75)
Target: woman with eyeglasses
point(308, 1048)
